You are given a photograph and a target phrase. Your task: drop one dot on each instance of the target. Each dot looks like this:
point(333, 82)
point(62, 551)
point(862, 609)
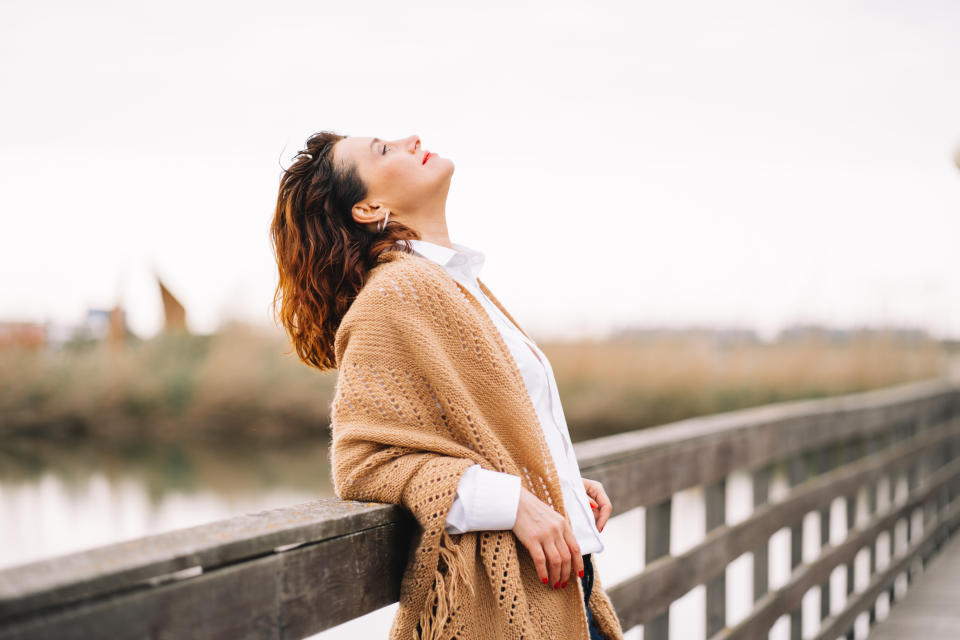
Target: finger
point(540, 562)
point(565, 559)
point(603, 499)
point(605, 512)
point(606, 508)
point(554, 563)
point(576, 556)
point(590, 487)
point(596, 513)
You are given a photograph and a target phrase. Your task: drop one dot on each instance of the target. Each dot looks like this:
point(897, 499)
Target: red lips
point(425, 156)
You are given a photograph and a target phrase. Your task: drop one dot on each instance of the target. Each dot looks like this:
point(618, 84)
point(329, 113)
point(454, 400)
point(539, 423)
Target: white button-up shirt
point(489, 500)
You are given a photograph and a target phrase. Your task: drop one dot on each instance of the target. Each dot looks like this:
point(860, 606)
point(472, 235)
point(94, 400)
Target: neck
point(433, 228)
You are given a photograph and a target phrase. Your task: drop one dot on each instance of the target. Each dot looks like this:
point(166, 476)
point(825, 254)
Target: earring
point(383, 223)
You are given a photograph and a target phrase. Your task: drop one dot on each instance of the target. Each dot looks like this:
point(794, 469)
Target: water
point(58, 498)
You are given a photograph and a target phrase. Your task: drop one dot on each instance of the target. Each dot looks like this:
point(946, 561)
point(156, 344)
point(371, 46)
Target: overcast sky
point(747, 164)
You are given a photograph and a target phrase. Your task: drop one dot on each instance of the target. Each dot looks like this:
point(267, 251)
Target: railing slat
point(649, 466)
point(832, 627)
point(646, 595)
point(784, 599)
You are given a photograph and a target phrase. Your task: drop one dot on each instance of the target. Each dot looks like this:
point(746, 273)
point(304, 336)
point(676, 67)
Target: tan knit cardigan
point(426, 387)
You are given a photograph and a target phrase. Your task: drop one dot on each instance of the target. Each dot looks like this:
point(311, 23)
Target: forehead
point(355, 149)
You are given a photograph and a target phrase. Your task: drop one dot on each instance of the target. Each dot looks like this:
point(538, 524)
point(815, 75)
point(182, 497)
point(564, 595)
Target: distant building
point(30, 335)
point(117, 327)
point(108, 325)
point(95, 326)
point(837, 335)
point(174, 314)
point(715, 335)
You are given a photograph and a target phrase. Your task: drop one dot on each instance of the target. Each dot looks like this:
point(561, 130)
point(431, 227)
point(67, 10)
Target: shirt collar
point(459, 256)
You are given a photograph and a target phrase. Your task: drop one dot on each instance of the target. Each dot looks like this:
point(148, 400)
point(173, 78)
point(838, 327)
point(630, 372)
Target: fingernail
point(557, 585)
point(593, 504)
point(581, 573)
point(564, 585)
point(544, 581)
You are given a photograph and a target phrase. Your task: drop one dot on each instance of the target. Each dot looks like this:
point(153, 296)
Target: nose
point(413, 142)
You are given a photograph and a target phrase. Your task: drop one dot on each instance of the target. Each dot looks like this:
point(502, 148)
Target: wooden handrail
point(295, 571)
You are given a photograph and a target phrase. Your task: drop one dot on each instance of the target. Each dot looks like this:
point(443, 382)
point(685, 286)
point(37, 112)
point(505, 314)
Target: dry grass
point(241, 383)
point(630, 384)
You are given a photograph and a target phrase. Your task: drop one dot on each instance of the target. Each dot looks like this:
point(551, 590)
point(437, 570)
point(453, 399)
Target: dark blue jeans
point(587, 582)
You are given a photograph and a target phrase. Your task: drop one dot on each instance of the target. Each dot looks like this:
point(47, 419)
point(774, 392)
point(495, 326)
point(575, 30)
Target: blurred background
point(693, 207)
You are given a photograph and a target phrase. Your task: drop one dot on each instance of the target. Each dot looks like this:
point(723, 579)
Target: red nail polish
point(544, 581)
point(564, 585)
point(581, 573)
point(593, 504)
point(557, 585)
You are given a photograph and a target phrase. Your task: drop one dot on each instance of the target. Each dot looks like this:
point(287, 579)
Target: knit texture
point(426, 388)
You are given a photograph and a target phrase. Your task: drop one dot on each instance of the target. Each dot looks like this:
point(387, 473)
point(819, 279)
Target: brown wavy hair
point(323, 254)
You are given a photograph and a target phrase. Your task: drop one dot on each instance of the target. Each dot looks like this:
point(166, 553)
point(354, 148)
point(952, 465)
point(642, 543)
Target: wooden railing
point(292, 572)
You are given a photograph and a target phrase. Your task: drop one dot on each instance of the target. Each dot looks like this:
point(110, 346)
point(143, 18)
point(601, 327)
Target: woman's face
point(397, 178)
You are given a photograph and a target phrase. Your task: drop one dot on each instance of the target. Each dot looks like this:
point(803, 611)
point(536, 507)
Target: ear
point(365, 213)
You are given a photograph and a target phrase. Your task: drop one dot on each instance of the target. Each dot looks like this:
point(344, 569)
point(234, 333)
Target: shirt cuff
point(486, 501)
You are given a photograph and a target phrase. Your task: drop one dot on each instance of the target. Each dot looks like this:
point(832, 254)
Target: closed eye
point(384, 152)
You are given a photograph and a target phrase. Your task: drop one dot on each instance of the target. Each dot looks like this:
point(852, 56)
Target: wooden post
point(874, 444)
point(852, 452)
point(826, 461)
point(928, 464)
point(892, 490)
point(657, 536)
point(911, 533)
point(715, 496)
point(796, 473)
point(761, 495)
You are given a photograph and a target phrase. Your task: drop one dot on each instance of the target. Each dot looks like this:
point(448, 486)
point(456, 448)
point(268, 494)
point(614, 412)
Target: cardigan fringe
point(445, 593)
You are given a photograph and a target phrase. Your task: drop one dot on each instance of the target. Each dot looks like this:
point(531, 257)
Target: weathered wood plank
point(831, 627)
point(656, 546)
point(929, 610)
point(796, 474)
point(287, 595)
point(787, 597)
point(851, 452)
point(290, 572)
point(129, 564)
point(715, 496)
point(649, 466)
point(761, 493)
point(646, 595)
point(826, 461)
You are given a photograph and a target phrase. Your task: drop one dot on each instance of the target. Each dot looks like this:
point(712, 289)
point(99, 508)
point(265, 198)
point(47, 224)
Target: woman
point(443, 404)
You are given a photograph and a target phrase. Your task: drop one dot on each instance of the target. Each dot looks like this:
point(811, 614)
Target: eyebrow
point(372, 141)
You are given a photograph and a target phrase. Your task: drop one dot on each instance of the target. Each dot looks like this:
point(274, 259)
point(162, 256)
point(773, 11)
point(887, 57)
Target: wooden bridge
point(890, 459)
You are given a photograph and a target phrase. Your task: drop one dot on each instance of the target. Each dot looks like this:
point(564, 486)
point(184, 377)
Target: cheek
point(393, 172)
point(405, 177)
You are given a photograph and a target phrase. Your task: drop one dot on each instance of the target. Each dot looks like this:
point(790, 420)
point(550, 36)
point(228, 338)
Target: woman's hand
point(548, 537)
point(600, 502)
